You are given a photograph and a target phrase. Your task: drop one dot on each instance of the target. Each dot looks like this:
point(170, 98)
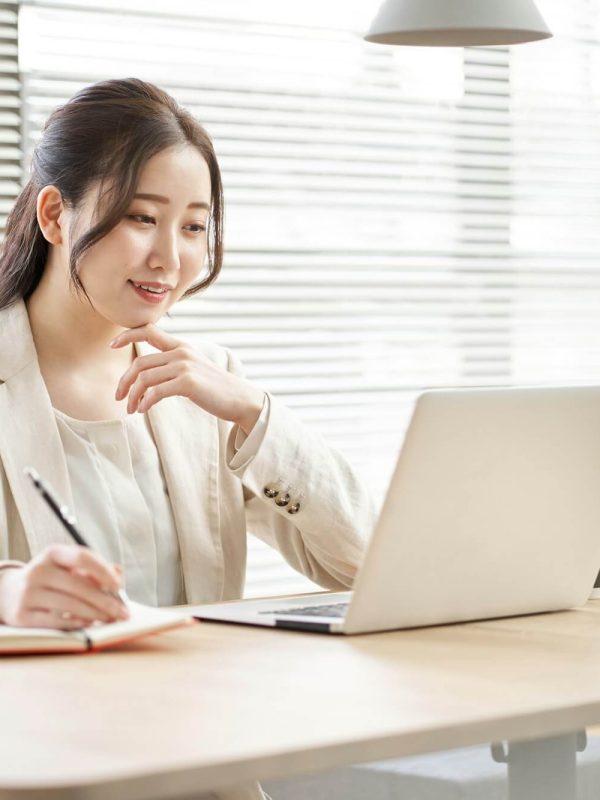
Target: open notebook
point(143, 620)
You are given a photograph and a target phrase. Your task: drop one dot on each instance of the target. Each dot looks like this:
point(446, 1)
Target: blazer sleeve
point(303, 498)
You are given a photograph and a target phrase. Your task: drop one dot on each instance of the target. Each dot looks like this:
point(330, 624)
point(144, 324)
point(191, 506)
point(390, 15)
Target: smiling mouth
point(149, 293)
point(155, 288)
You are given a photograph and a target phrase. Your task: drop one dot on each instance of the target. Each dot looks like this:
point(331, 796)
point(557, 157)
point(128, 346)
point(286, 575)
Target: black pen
point(65, 516)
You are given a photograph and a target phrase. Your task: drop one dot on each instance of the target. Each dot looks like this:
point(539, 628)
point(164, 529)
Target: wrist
point(252, 410)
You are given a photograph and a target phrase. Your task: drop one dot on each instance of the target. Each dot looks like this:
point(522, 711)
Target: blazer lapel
point(188, 444)
point(28, 432)
point(185, 435)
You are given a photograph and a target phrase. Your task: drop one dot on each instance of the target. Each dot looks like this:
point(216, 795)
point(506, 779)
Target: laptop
point(493, 510)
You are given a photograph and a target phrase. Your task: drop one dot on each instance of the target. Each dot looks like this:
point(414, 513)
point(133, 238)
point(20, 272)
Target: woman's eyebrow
point(160, 199)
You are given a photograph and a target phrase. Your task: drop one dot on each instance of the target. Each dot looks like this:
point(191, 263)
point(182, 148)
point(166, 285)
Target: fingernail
point(113, 342)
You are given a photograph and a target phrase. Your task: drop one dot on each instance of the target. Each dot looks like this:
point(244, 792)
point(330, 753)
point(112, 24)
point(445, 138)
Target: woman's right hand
point(64, 586)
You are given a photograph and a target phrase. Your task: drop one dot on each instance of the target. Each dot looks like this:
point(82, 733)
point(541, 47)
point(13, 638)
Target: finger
point(146, 379)
point(75, 557)
point(146, 333)
point(81, 589)
point(137, 366)
point(59, 602)
point(42, 618)
point(172, 388)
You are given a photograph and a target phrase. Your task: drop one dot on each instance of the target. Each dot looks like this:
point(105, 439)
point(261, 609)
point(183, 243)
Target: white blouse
point(122, 502)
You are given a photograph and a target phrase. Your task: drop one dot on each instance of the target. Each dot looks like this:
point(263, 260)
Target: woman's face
point(161, 242)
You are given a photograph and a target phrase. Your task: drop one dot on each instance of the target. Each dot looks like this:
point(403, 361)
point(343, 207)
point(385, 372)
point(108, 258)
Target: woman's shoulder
point(16, 342)
point(212, 351)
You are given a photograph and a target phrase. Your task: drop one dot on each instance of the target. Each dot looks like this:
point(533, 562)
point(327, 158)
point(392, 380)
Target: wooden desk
point(214, 705)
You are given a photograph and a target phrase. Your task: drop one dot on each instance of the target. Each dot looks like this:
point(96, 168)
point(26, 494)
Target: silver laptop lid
point(493, 510)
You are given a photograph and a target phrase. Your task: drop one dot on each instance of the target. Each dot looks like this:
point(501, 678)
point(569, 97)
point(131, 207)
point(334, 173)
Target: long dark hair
point(106, 132)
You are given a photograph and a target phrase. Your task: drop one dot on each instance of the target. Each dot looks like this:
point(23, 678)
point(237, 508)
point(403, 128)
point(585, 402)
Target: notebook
point(143, 621)
point(493, 510)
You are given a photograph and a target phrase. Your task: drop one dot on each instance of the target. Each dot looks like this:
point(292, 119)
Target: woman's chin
point(131, 315)
point(135, 319)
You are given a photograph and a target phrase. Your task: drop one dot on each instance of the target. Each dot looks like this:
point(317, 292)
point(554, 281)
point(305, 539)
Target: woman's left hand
point(180, 370)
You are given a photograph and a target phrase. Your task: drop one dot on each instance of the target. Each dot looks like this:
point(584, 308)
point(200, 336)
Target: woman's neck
point(67, 330)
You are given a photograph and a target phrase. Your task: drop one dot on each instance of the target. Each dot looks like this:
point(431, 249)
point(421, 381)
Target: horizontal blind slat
point(396, 218)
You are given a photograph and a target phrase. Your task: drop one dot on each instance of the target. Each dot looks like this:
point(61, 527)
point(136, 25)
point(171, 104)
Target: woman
point(131, 426)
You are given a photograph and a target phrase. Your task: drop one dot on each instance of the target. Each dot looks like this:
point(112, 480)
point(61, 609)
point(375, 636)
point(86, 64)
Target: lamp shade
point(457, 23)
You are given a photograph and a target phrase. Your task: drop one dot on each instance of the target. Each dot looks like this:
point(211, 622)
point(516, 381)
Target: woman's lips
point(149, 297)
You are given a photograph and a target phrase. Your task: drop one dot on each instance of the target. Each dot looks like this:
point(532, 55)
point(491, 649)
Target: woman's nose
point(166, 253)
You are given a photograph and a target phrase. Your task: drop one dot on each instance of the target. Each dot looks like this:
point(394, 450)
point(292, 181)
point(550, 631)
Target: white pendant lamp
point(457, 23)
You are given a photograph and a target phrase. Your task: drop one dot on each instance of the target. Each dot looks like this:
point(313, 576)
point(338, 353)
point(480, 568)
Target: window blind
point(10, 110)
point(396, 218)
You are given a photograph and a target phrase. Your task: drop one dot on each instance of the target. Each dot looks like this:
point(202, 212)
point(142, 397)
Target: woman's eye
point(141, 218)
point(195, 227)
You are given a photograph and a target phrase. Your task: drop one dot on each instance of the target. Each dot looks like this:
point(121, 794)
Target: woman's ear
point(50, 214)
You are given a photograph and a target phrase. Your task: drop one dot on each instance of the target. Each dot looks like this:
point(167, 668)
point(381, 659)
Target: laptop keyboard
point(333, 610)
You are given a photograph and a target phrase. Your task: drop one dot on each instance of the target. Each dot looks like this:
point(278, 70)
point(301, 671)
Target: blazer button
point(283, 500)
point(294, 508)
point(271, 491)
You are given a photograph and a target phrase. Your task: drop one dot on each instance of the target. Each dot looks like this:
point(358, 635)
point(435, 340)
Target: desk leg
point(542, 769)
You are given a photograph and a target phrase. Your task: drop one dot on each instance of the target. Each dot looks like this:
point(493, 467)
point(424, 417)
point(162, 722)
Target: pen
point(65, 516)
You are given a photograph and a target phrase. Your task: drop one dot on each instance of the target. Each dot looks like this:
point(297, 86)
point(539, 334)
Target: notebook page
point(143, 619)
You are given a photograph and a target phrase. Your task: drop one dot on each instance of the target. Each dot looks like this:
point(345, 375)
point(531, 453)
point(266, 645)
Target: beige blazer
point(214, 506)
